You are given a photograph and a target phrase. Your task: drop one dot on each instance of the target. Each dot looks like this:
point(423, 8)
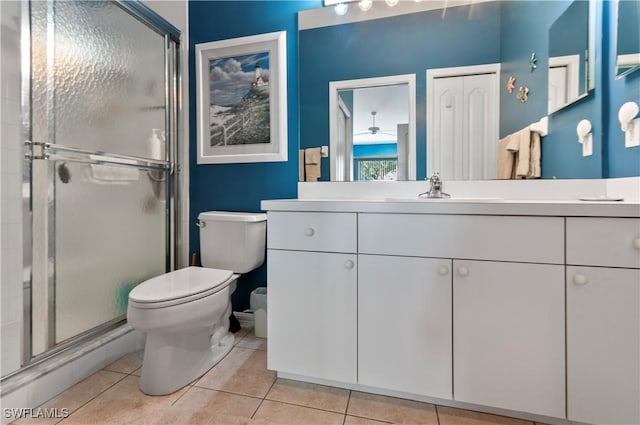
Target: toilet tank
point(232, 240)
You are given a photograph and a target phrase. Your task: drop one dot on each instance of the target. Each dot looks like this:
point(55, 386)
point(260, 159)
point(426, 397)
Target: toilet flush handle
point(201, 224)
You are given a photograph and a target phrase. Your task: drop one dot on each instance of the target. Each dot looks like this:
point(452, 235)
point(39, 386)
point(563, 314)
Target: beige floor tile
point(137, 372)
point(243, 371)
point(203, 406)
point(123, 403)
point(452, 416)
point(391, 409)
point(252, 341)
point(355, 420)
point(310, 395)
point(127, 363)
point(73, 398)
point(273, 412)
point(242, 333)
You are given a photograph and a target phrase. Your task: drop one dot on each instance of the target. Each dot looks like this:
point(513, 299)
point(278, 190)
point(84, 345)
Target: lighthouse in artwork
point(259, 80)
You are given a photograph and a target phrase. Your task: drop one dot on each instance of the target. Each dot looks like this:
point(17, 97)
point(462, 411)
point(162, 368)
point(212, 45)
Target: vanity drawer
point(596, 241)
point(312, 231)
point(498, 238)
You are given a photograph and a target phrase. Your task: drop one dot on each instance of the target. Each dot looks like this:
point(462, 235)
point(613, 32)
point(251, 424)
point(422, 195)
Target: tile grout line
point(264, 398)
point(437, 413)
point(307, 407)
point(370, 419)
point(346, 409)
point(124, 376)
point(228, 392)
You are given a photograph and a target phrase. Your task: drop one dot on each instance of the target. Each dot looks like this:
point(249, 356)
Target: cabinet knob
point(443, 270)
point(349, 264)
point(580, 279)
point(463, 271)
point(636, 243)
point(309, 231)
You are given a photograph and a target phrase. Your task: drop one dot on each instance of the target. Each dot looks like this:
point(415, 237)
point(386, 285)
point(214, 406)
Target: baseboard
point(245, 318)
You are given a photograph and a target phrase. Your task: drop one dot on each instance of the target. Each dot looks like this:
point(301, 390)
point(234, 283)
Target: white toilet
point(185, 313)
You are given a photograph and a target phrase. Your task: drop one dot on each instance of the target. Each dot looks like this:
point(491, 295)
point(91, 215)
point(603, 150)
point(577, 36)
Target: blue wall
point(370, 49)
point(241, 187)
point(561, 152)
point(375, 150)
point(629, 22)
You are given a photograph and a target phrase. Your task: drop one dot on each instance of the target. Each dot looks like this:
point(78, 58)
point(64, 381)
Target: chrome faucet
point(435, 191)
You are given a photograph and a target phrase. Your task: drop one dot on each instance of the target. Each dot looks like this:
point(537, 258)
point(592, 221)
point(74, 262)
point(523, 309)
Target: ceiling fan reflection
point(373, 130)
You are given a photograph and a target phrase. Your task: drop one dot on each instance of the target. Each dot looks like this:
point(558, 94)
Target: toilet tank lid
point(231, 216)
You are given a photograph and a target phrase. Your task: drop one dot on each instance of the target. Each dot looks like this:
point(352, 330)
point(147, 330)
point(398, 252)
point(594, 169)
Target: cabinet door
point(404, 324)
point(508, 330)
point(311, 306)
point(603, 345)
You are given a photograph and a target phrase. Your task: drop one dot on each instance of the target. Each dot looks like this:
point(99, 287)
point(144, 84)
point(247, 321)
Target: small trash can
point(258, 303)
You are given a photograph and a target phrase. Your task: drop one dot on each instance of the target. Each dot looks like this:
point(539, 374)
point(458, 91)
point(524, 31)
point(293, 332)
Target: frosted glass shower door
point(103, 117)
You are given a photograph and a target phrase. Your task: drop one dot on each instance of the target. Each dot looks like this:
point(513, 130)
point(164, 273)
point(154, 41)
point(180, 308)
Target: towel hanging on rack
point(519, 155)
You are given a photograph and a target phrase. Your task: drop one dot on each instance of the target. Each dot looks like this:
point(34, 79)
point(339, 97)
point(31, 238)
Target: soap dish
point(601, 199)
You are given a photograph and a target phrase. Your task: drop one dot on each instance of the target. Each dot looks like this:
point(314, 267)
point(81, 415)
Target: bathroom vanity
point(527, 308)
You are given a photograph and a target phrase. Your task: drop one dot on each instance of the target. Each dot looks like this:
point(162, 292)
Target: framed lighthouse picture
point(241, 96)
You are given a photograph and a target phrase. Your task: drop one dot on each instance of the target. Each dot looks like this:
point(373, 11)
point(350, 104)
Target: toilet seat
point(179, 287)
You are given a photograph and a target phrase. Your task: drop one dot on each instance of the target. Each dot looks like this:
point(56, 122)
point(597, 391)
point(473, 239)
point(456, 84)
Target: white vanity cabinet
point(404, 324)
point(508, 315)
point(603, 320)
point(509, 335)
point(312, 296)
point(503, 312)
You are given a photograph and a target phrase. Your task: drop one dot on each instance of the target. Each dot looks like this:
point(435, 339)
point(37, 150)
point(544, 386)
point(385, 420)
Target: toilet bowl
point(185, 313)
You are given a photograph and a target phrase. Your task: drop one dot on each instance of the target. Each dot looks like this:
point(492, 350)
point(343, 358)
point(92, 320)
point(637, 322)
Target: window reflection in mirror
point(628, 51)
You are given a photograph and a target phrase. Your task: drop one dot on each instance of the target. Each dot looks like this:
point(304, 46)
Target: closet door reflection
point(102, 125)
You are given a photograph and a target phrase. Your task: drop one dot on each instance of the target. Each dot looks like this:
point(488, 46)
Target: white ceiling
point(391, 104)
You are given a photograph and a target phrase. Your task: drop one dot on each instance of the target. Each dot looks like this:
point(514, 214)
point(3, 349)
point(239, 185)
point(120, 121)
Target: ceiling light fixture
point(391, 3)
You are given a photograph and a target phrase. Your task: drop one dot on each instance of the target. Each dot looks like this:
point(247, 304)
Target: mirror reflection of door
point(564, 78)
point(462, 122)
point(372, 128)
point(344, 155)
point(377, 113)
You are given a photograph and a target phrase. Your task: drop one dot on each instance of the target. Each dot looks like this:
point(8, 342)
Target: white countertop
point(565, 208)
point(489, 197)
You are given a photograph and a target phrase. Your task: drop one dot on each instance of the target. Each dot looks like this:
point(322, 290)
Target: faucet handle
point(435, 178)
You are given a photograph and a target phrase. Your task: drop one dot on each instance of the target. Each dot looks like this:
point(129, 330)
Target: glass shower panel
point(108, 79)
point(110, 235)
point(101, 187)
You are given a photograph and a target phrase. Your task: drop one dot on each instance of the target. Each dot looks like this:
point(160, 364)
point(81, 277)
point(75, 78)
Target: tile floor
point(240, 390)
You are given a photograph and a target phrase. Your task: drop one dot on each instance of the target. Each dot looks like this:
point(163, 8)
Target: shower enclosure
point(100, 108)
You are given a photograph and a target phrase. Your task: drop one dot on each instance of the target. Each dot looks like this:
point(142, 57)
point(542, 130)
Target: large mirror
point(569, 73)
point(628, 49)
point(413, 38)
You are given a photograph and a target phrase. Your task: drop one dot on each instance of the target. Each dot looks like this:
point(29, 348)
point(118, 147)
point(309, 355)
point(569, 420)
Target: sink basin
point(452, 199)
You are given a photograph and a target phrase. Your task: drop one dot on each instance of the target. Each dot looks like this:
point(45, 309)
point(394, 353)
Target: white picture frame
point(241, 98)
